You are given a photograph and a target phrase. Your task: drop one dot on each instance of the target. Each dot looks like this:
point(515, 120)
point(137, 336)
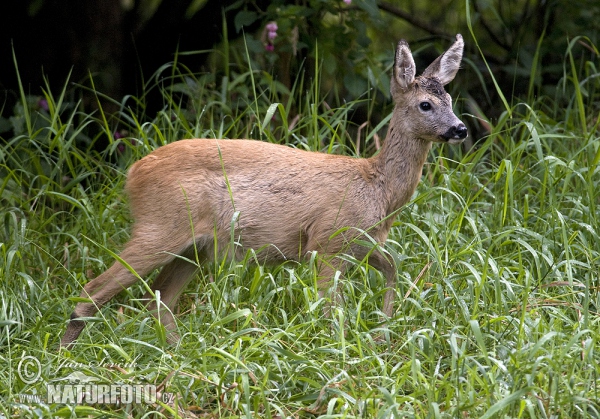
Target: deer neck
point(400, 162)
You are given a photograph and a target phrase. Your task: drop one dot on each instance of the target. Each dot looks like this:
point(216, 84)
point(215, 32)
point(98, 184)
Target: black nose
point(460, 131)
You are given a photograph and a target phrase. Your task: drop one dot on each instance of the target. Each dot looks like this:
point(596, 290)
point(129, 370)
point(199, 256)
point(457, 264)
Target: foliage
point(523, 42)
point(331, 31)
point(498, 304)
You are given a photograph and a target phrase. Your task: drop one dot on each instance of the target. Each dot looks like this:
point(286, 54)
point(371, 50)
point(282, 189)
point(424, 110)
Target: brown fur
point(286, 202)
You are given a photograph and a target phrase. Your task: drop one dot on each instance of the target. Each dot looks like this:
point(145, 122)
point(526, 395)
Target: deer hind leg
point(171, 281)
point(143, 256)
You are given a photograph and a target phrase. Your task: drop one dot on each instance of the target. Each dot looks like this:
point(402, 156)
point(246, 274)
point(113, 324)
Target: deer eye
point(425, 106)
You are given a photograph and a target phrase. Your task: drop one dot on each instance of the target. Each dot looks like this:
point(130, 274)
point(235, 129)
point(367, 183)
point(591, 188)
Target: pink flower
point(43, 103)
point(271, 30)
point(348, 1)
point(272, 27)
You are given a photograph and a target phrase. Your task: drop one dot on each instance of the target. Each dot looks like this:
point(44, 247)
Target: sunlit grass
point(498, 255)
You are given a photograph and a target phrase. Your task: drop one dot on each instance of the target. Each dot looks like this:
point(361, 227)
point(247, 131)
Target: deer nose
point(458, 132)
point(461, 131)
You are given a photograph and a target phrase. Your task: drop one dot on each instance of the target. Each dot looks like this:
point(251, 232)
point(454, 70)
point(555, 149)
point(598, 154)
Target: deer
point(187, 196)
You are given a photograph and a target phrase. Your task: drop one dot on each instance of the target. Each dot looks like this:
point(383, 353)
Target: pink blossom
point(43, 103)
point(348, 1)
point(271, 30)
point(272, 27)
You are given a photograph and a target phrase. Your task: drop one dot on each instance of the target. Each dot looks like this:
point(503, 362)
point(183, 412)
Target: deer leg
point(171, 282)
point(387, 267)
point(142, 257)
point(325, 284)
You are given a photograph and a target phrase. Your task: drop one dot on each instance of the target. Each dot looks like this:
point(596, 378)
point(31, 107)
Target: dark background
point(120, 43)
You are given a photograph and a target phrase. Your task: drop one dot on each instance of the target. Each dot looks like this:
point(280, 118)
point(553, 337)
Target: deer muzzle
point(456, 134)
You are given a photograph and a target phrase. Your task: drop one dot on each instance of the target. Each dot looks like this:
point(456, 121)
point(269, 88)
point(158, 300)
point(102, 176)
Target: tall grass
point(498, 275)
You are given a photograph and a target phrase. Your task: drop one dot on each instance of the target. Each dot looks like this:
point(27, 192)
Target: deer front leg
point(377, 260)
point(326, 285)
point(387, 267)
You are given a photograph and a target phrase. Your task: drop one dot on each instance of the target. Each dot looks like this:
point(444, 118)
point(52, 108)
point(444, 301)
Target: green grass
point(498, 255)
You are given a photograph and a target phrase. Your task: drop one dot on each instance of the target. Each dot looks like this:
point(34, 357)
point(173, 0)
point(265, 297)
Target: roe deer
point(288, 202)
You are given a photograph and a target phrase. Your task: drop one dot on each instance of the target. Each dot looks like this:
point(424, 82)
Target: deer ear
point(404, 67)
point(445, 67)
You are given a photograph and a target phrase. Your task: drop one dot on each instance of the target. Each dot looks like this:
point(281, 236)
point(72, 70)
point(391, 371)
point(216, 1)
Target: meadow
point(498, 265)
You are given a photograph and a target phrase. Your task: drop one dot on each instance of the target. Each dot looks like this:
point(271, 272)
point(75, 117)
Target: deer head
point(426, 107)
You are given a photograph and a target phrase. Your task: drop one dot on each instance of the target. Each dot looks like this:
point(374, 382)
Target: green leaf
point(504, 403)
point(244, 18)
point(269, 114)
point(194, 7)
point(369, 6)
